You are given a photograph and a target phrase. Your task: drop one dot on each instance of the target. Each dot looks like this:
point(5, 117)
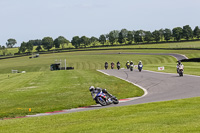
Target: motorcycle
point(105, 99)
point(128, 66)
point(118, 66)
point(180, 71)
point(112, 65)
point(140, 68)
point(131, 67)
point(106, 67)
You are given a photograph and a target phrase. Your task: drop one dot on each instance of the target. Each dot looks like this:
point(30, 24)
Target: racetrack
point(157, 86)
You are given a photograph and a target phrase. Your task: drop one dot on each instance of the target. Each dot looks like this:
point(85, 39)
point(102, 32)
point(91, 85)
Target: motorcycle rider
point(140, 66)
point(106, 65)
point(112, 65)
point(127, 64)
point(131, 63)
point(179, 66)
point(140, 63)
point(94, 91)
point(118, 65)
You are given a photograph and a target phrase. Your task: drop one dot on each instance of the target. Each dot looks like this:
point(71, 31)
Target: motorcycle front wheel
point(101, 101)
point(115, 100)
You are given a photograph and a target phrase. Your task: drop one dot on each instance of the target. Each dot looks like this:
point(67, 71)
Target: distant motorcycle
point(106, 67)
point(112, 65)
point(118, 66)
point(105, 99)
point(140, 68)
point(180, 71)
point(128, 66)
point(131, 67)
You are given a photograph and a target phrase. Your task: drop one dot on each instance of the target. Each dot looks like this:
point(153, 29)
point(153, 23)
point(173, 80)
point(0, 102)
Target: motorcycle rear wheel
point(101, 101)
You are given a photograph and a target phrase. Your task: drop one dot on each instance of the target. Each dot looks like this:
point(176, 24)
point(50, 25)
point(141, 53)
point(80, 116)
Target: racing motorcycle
point(131, 67)
point(118, 66)
point(112, 65)
point(140, 68)
point(127, 65)
point(180, 70)
point(105, 99)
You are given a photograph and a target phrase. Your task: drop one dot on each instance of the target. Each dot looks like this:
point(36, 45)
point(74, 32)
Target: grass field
point(178, 116)
point(51, 91)
point(44, 91)
point(38, 82)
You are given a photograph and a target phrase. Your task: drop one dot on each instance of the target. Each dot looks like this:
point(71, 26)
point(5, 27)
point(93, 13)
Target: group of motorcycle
point(129, 65)
point(102, 97)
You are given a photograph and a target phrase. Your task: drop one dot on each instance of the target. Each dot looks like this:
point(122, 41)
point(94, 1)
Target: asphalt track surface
point(157, 86)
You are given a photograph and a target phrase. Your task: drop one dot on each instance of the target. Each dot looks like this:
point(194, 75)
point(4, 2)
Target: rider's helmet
point(127, 61)
point(179, 62)
point(104, 91)
point(140, 61)
point(91, 88)
point(131, 61)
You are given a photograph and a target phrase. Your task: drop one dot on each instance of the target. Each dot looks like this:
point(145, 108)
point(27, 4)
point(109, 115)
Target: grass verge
point(171, 116)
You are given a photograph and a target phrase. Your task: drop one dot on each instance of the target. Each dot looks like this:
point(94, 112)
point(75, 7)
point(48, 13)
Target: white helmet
point(91, 88)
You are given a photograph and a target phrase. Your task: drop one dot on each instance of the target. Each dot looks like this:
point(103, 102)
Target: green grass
point(170, 117)
point(38, 82)
point(57, 90)
point(44, 91)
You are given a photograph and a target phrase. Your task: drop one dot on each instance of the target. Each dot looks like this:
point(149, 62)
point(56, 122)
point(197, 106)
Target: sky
point(26, 20)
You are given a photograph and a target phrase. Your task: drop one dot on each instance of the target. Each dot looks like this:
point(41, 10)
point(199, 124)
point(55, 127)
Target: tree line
point(123, 36)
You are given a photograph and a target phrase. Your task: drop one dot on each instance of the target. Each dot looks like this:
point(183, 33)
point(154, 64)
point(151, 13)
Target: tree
point(102, 39)
point(196, 32)
point(29, 46)
point(76, 41)
point(36, 42)
point(187, 32)
point(167, 34)
point(4, 50)
point(11, 42)
point(156, 35)
point(130, 37)
point(60, 41)
point(111, 38)
point(22, 48)
point(93, 40)
point(161, 32)
point(148, 36)
point(138, 36)
point(121, 39)
point(124, 33)
point(39, 48)
point(177, 33)
point(84, 40)
point(47, 43)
